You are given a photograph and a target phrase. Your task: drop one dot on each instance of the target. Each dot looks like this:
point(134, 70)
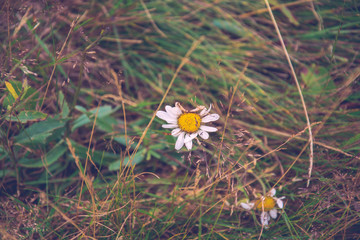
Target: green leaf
point(106, 124)
point(3, 153)
point(7, 173)
point(63, 105)
point(352, 140)
point(286, 12)
point(28, 99)
point(138, 158)
point(104, 111)
point(317, 80)
point(100, 157)
point(232, 27)
point(27, 116)
point(50, 157)
point(38, 132)
point(122, 141)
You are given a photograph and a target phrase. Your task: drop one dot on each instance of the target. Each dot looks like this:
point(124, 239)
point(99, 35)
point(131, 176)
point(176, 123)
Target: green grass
point(67, 156)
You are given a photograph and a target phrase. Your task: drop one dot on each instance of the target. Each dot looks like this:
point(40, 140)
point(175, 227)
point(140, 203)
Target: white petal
point(190, 137)
point(208, 129)
point(247, 206)
point(280, 202)
point(161, 114)
point(272, 192)
point(172, 111)
point(176, 132)
point(203, 134)
point(194, 135)
point(177, 110)
point(169, 111)
point(187, 138)
point(166, 117)
point(273, 213)
point(264, 218)
point(172, 125)
point(205, 111)
point(210, 118)
point(180, 141)
point(188, 145)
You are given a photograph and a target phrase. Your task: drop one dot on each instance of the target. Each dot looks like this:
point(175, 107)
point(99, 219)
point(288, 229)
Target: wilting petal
point(188, 145)
point(208, 129)
point(272, 192)
point(166, 117)
point(180, 141)
point(176, 132)
point(210, 118)
point(203, 134)
point(247, 206)
point(273, 213)
point(171, 125)
point(264, 218)
point(205, 111)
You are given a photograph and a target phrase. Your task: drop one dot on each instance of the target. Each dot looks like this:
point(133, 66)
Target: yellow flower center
point(266, 203)
point(189, 122)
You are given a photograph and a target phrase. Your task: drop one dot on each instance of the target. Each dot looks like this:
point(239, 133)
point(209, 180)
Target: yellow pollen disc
point(267, 204)
point(189, 122)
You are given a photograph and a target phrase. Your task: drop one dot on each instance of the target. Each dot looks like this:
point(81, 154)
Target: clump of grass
point(83, 156)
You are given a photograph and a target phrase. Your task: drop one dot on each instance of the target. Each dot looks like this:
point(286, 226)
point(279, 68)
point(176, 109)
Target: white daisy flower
point(267, 206)
point(187, 124)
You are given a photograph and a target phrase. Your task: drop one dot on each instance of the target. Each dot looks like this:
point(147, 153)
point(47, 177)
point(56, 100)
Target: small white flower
point(267, 206)
point(187, 124)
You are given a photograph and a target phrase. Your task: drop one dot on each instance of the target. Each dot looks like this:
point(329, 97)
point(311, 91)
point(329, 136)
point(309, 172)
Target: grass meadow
point(83, 155)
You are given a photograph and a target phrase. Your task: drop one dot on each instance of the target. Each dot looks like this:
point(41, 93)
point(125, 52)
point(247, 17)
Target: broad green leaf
point(104, 111)
point(38, 132)
point(139, 157)
point(27, 116)
point(106, 124)
point(50, 157)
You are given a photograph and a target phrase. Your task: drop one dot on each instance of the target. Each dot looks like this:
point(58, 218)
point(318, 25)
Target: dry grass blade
point(311, 140)
point(228, 114)
point(63, 215)
point(88, 183)
point(72, 26)
point(98, 167)
point(152, 20)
